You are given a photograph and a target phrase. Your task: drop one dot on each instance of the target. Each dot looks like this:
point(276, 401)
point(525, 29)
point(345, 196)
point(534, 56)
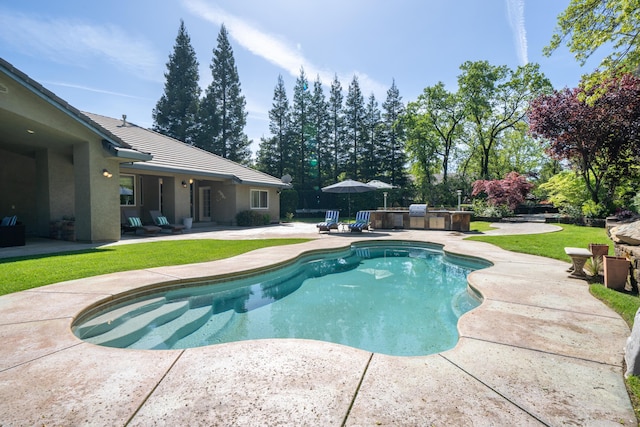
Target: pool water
point(398, 299)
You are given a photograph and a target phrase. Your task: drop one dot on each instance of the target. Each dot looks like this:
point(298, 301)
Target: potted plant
point(188, 222)
point(598, 249)
point(616, 271)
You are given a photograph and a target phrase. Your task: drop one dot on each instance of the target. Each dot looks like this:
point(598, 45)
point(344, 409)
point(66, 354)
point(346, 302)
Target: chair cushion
point(135, 221)
point(162, 220)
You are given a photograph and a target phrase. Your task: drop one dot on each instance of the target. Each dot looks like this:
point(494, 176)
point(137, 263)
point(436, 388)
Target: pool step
point(136, 327)
point(109, 320)
point(205, 335)
point(163, 336)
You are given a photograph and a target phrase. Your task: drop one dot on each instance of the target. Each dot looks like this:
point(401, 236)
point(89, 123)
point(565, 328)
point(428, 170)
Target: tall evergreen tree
point(319, 114)
point(176, 110)
point(224, 107)
point(354, 116)
point(369, 160)
point(301, 128)
point(274, 155)
point(394, 135)
point(336, 129)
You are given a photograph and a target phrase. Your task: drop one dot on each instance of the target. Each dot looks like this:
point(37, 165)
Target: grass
point(18, 274)
point(550, 245)
point(480, 226)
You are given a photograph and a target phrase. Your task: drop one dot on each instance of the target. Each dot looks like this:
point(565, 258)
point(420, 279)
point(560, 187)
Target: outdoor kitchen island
point(421, 218)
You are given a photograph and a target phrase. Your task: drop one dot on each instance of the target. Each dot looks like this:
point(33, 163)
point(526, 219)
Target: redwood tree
point(600, 136)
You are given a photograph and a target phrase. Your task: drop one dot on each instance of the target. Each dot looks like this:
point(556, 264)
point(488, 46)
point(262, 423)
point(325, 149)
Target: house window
point(259, 199)
point(127, 190)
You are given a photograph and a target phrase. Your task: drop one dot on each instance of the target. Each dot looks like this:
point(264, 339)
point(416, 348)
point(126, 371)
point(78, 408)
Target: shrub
point(571, 211)
point(510, 191)
point(252, 218)
point(481, 208)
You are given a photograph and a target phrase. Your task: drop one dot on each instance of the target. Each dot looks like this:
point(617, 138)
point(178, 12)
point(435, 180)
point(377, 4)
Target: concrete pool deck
point(540, 350)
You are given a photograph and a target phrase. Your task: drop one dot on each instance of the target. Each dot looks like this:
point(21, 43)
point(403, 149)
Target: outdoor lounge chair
point(162, 222)
point(330, 221)
point(362, 221)
point(134, 223)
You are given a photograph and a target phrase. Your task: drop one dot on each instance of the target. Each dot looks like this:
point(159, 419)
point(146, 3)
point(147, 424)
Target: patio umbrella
point(380, 185)
point(348, 186)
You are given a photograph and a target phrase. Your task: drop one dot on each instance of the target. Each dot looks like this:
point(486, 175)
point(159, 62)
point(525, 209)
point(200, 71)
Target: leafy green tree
point(422, 148)
point(176, 110)
point(354, 125)
point(497, 98)
point(565, 189)
point(274, 154)
point(587, 25)
point(393, 155)
point(518, 151)
point(441, 115)
point(336, 129)
point(222, 112)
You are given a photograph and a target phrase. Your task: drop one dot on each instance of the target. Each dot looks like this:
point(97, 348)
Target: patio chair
point(362, 221)
point(330, 221)
point(162, 222)
point(134, 223)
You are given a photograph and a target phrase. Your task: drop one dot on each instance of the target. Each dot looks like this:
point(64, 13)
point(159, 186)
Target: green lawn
point(550, 245)
point(17, 274)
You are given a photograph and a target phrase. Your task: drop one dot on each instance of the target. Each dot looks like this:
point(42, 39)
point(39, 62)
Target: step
point(162, 337)
point(205, 334)
point(133, 329)
point(107, 321)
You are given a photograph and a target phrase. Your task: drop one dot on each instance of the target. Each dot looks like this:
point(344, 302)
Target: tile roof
point(173, 156)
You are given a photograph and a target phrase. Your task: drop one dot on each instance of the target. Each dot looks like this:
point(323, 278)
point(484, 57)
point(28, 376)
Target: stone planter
point(616, 271)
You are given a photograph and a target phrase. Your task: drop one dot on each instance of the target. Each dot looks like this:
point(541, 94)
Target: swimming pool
point(397, 298)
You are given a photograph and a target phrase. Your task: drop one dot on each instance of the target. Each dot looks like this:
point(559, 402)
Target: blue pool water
point(395, 298)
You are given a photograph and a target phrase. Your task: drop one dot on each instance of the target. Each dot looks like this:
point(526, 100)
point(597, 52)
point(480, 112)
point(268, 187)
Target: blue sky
point(110, 57)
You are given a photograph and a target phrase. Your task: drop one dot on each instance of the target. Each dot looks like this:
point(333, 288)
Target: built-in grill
point(418, 210)
point(417, 215)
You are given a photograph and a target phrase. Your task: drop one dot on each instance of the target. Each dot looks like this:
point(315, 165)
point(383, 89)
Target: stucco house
point(58, 162)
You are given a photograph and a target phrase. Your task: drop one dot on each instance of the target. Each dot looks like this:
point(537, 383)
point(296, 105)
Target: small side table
point(579, 257)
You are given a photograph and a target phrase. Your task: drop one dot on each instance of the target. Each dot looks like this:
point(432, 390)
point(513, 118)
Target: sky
point(109, 57)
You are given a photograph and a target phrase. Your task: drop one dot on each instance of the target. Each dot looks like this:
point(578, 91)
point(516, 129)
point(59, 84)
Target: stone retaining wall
point(633, 254)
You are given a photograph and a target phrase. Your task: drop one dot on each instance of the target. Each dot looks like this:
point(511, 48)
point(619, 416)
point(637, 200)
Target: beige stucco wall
point(243, 202)
point(54, 162)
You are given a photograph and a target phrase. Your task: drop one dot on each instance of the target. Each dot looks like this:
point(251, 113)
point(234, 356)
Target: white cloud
point(275, 49)
point(77, 43)
point(91, 89)
point(515, 13)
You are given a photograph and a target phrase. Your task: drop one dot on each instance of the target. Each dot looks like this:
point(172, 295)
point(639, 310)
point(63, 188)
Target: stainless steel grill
point(418, 210)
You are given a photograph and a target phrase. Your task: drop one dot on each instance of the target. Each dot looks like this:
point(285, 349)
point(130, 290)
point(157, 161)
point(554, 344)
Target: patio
point(540, 350)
